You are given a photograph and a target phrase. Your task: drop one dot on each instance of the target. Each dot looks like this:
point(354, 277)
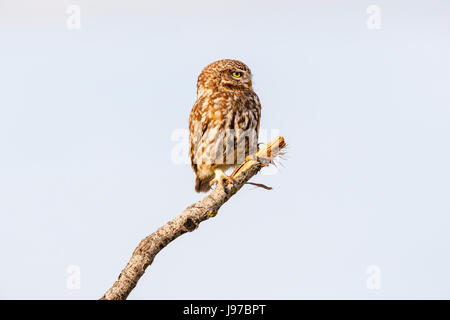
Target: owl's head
point(224, 75)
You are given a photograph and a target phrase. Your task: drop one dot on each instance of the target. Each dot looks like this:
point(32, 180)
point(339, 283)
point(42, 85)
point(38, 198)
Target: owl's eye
point(237, 74)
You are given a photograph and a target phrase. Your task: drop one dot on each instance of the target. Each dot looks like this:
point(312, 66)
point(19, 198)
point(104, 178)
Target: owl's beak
point(251, 84)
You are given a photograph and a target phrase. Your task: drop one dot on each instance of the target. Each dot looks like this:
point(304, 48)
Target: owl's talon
point(222, 179)
point(264, 161)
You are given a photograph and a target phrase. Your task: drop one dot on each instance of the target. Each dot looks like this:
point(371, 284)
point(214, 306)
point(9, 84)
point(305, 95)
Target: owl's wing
point(245, 125)
point(206, 128)
point(197, 128)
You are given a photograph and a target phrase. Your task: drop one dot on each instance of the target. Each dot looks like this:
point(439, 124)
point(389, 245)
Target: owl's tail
point(203, 184)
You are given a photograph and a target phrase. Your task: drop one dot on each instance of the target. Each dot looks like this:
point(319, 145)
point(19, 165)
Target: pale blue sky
point(87, 116)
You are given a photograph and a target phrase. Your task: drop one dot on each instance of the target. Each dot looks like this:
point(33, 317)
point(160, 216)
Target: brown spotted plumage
point(224, 121)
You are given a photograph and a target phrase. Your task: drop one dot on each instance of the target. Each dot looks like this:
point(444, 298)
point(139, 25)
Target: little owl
point(224, 121)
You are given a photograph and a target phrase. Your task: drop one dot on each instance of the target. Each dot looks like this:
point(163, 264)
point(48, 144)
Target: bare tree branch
point(189, 220)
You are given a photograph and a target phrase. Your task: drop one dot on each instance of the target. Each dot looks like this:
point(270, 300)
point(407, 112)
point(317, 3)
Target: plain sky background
point(86, 166)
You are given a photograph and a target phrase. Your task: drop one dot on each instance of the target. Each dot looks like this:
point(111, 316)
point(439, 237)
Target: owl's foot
point(222, 179)
point(265, 161)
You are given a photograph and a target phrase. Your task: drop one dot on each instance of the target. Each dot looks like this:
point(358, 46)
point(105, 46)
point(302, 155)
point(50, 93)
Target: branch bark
point(189, 220)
